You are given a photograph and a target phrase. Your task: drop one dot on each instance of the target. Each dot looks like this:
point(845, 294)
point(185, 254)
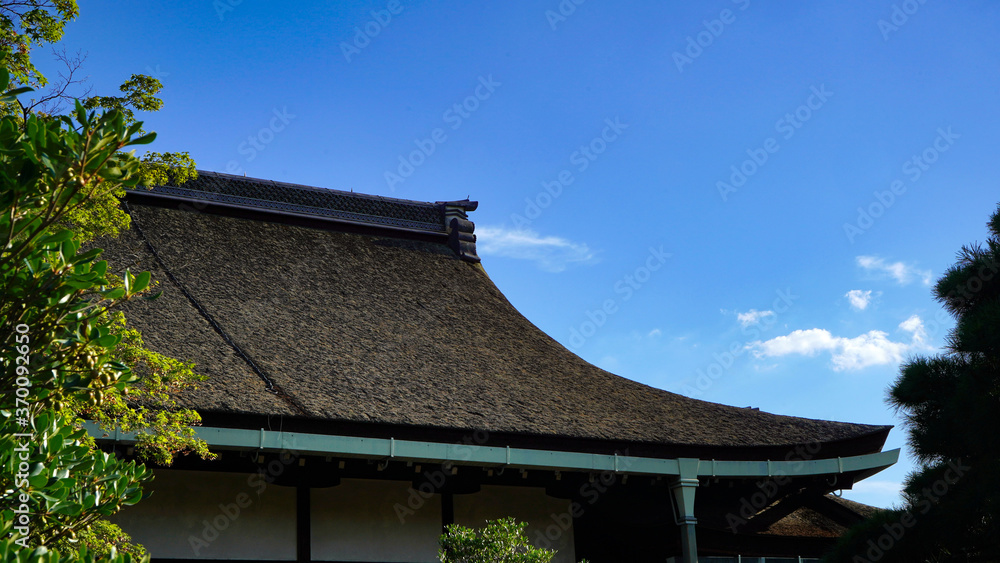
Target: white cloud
point(860, 299)
point(550, 253)
point(804, 342)
point(873, 348)
point(752, 317)
point(915, 326)
point(902, 273)
point(654, 333)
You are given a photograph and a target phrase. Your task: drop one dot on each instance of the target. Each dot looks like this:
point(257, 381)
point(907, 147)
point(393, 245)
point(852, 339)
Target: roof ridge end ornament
point(460, 229)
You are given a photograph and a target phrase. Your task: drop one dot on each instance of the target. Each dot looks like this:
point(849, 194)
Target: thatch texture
point(810, 522)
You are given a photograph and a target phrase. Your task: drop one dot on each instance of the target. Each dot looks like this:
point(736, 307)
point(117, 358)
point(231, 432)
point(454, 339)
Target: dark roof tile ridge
point(244, 194)
point(316, 189)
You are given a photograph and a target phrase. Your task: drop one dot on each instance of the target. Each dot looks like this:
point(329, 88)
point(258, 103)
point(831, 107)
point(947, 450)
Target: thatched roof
point(319, 318)
point(830, 517)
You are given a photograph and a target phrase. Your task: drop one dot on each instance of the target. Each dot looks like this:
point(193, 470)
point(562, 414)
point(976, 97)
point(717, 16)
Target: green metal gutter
point(460, 454)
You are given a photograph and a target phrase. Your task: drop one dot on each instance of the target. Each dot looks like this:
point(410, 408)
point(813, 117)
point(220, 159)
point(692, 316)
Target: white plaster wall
point(549, 521)
point(359, 520)
point(172, 522)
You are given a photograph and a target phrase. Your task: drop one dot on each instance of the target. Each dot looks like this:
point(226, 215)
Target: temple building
point(369, 384)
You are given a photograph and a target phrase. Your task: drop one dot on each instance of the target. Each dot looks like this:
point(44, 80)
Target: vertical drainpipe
point(682, 489)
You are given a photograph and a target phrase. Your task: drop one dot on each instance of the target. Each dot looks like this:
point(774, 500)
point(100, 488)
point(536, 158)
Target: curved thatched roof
point(354, 328)
point(827, 516)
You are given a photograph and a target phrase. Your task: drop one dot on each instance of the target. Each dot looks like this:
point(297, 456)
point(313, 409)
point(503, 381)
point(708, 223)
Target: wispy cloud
point(609, 363)
point(752, 317)
point(861, 299)
point(870, 349)
point(655, 333)
point(915, 326)
point(902, 273)
point(550, 253)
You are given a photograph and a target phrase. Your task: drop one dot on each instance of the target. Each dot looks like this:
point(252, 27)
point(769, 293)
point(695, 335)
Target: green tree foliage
point(145, 400)
point(58, 342)
point(148, 405)
point(9, 554)
point(26, 24)
point(500, 541)
point(951, 405)
point(102, 215)
point(100, 538)
point(29, 24)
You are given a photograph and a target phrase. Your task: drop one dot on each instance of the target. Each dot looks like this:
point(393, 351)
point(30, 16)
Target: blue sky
point(741, 201)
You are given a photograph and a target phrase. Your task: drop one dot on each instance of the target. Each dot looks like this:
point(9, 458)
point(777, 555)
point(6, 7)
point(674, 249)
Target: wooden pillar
point(682, 490)
point(303, 524)
point(447, 509)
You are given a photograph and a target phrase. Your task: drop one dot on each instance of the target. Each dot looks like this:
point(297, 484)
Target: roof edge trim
point(436, 452)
